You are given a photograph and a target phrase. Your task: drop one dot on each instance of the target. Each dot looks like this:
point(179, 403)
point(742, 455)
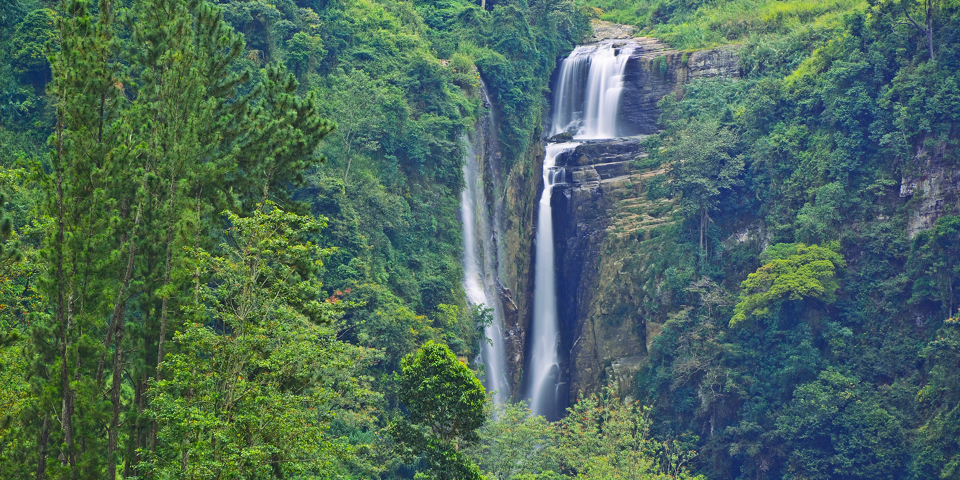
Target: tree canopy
point(795, 272)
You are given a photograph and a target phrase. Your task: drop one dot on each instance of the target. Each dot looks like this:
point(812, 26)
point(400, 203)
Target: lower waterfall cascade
point(545, 379)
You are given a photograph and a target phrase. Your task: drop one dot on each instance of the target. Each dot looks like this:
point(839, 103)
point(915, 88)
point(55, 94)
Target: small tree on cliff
point(702, 166)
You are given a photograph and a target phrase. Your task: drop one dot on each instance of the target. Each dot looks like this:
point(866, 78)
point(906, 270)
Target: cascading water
point(479, 269)
point(586, 103)
point(587, 98)
point(544, 373)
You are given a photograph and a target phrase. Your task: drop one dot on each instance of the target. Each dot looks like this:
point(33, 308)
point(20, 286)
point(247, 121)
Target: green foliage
point(937, 439)
point(441, 393)
point(254, 378)
point(704, 24)
point(658, 187)
point(931, 262)
point(444, 401)
point(34, 40)
point(303, 52)
point(832, 428)
point(703, 164)
point(795, 272)
point(6, 228)
point(605, 437)
point(513, 443)
point(19, 271)
point(829, 119)
point(132, 180)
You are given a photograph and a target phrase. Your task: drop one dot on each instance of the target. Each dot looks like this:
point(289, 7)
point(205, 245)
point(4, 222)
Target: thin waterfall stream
point(479, 260)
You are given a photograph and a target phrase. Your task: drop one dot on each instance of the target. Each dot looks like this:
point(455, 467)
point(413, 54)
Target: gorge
point(605, 96)
point(460, 239)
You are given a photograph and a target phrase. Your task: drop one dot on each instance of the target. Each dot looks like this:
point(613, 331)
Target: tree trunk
point(44, 437)
point(164, 302)
point(119, 305)
point(67, 407)
point(135, 442)
point(703, 226)
point(166, 275)
point(65, 420)
point(114, 432)
point(929, 10)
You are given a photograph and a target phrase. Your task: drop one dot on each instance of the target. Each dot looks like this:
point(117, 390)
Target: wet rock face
point(598, 176)
point(510, 197)
point(937, 183)
point(654, 71)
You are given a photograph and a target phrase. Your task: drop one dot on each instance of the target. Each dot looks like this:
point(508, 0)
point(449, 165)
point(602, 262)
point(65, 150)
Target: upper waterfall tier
point(589, 86)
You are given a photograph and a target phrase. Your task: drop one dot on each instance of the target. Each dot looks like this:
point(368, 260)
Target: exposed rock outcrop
point(603, 30)
point(601, 205)
point(936, 181)
point(655, 71)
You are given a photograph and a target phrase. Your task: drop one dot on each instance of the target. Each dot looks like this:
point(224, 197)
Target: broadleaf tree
point(795, 272)
point(444, 401)
point(251, 381)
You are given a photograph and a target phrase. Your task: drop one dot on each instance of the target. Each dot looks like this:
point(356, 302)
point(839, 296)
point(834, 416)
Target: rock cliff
point(933, 186)
point(602, 215)
point(654, 71)
point(605, 223)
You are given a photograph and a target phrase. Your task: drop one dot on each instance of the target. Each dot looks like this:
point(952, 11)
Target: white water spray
point(544, 358)
point(587, 98)
point(479, 274)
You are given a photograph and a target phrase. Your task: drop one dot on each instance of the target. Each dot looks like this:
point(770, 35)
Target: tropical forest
point(480, 239)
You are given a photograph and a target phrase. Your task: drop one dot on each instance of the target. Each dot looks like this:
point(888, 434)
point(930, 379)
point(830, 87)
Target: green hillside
point(812, 333)
point(200, 108)
point(231, 241)
point(694, 25)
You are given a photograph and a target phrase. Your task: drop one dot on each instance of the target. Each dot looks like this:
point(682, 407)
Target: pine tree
point(152, 138)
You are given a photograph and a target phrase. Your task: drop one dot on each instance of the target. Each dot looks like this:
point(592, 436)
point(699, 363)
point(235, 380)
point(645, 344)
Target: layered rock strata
point(933, 186)
point(603, 221)
point(654, 71)
point(601, 204)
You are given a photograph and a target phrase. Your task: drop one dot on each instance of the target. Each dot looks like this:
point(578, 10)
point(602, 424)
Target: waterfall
point(587, 95)
point(586, 103)
point(480, 270)
point(544, 364)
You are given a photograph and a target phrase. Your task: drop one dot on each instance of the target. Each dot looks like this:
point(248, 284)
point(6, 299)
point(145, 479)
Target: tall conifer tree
point(152, 138)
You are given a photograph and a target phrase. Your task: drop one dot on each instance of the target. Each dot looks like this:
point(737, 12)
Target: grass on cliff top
point(696, 25)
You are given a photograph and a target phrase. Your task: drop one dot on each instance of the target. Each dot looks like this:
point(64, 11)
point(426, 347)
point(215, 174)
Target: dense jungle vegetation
point(230, 242)
point(228, 227)
point(811, 326)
